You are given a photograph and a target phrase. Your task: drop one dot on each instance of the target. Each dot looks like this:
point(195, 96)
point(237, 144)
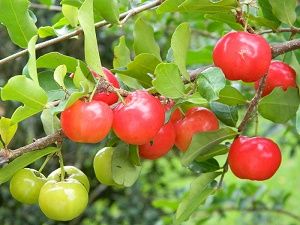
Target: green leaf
point(79, 77)
point(279, 106)
point(32, 69)
point(266, 9)
point(142, 65)
point(261, 21)
point(210, 82)
point(46, 31)
point(205, 166)
point(208, 6)
point(22, 161)
point(231, 96)
point(59, 75)
point(200, 189)
point(76, 3)
point(284, 10)
point(196, 98)
point(134, 155)
point(50, 122)
point(7, 130)
point(214, 151)
point(91, 51)
point(204, 142)
point(180, 43)
point(15, 16)
point(123, 171)
point(108, 9)
point(227, 114)
point(22, 89)
point(200, 56)
point(225, 17)
point(144, 41)
point(121, 59)
point(169, 6)
point(46, 2)
point(78, 94)
point(71, 14)
point(168, 81)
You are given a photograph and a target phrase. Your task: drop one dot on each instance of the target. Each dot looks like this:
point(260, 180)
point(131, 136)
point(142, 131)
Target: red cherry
point(86, 122)
point(107, 97)
point(255, 158)
point(242, 56)
point(139, 119)
point(176, 116)
point(281, 75)
point(161, 143)
point(197, 119)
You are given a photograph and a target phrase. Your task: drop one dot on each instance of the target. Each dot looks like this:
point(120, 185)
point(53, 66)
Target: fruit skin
point(102, 165)
point(71, 172)
point(87, 122)
point(63, 200)
point(197, 119)
point(161, 143)
point(242, 56)
point(255, 158)
point(139, 119)
point(281, 75)
point(107, 97)
point(25, 185)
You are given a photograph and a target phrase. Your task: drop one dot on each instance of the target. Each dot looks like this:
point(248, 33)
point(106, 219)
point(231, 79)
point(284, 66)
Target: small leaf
point(15, 16)
point(59, 75)
point(210, 82)
point(108, 9)
point(134, 155)
point(227, 114)
point(204, 142)
point(46, 31)
point(32, 69)
point(231, 96)
point(280, 106)
point(79, 77)
point(7, 130)
point(71, 14)
point(50, 122)
point(215, 151)
point(284, 10)
point(180, 43)
point(144, 41)
point(204, 166)
point(91, 52)
point(22, 89)
point(200, 189)
point(123, 171)
point(168, 81)
point(196, 98)
point(22, 161)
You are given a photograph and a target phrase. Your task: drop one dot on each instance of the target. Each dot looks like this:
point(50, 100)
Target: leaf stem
point(45, 162)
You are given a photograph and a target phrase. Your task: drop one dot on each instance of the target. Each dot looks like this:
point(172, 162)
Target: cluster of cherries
point(140, 120)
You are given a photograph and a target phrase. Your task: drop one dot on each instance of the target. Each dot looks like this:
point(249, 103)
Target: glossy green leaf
point(214, 151)
point(204, 142)
point(22, 161)
point(7, 130)
point(279, 106)
point(15, 16)
point(59, 75)
point(108, 9)
point(32, 69)
point(46, 31)
point(168, 81)
point(123, 171)
point(266, 9)
point(225, 17)
point(196, 98)
point(169, 6)
point(284, 10)
point(78, 94)
point(208, 6)
point(134, 155)
point(200, 189)
point(180, 43)
point(140, 67)
point(204, 166)
point(121, 59)
point(22, 89)
point(144, 41)
point(50, 122)
point(71, 14)
point(231, 96)
point(210, 82)
point(91, 51)
point(227, 114)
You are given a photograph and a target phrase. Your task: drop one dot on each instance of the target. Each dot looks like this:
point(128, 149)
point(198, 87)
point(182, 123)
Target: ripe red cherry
point(281, 75)
point(197, 119)
point(107, 97)
point(176, 115)
point(242, 56)
point(87, 122)
point(139, 119)
point(161, 143)
point(255, 158)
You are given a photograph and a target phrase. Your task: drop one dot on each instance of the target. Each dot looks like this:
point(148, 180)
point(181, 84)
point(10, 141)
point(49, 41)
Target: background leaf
point(32, 69)
point(284, 10)
point(7, 130)
point(50, 122)
point(108, 9)
point(231, 96)
point(227, 114)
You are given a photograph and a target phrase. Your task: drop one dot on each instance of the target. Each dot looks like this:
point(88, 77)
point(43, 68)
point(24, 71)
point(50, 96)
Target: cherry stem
point(61, 163)
point(45, 162)
point(119, 95)
point(94, 90)
point(256, 124)
point(225, 169)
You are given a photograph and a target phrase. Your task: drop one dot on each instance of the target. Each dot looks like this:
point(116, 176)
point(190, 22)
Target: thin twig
point(102, 23)
point(281, 30)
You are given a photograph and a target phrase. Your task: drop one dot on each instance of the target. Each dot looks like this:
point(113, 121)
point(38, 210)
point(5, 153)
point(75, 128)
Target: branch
point(241, 20)
point(281, 30)
point(39, 6)
point(7, 155)
point(102, 23)
point(279, 49)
